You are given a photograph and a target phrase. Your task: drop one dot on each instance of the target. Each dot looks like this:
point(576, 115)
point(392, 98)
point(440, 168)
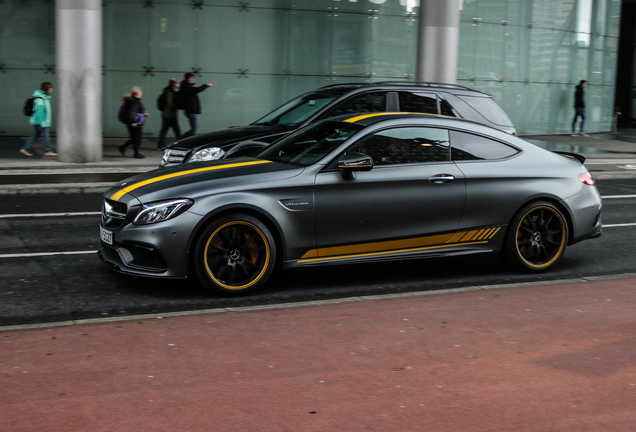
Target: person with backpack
point(133, 114)
point(189, 101)
point(167, 104)
point(40, 107)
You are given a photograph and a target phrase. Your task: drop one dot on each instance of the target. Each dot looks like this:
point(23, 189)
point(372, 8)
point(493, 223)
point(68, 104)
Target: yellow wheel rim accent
point(251, 255)
point(561, 246)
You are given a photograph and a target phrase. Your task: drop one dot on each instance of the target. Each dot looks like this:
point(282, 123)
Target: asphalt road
point(40, 288)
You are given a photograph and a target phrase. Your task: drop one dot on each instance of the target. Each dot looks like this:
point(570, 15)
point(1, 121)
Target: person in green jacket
point(41, 120)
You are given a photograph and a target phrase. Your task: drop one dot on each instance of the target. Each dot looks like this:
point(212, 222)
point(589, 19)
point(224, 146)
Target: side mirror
point(352, 162)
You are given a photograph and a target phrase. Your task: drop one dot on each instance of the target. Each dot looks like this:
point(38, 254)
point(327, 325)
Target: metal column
point(79, 77)
point(438, 41)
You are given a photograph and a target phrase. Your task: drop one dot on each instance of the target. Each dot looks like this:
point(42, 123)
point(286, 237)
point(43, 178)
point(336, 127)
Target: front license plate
point(106, 236)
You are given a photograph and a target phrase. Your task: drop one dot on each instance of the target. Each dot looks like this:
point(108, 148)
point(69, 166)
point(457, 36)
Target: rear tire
point(234, 255)
point(536, 237)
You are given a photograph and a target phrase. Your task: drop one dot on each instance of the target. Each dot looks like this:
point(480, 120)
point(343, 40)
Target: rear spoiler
point(571, 155)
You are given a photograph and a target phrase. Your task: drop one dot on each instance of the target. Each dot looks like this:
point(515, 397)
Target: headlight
point(161, 211)
point(208, 154)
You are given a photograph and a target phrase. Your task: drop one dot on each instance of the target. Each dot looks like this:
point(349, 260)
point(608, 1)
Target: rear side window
point(465, 146)
point(362, 103)
point(418, 102)
point(488, 109)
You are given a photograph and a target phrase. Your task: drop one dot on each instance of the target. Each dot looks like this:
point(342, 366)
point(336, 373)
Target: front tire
point(536, 238)
point(235, 254)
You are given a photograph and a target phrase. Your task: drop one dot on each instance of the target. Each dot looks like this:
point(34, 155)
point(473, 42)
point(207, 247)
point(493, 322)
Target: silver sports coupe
point(351, 189)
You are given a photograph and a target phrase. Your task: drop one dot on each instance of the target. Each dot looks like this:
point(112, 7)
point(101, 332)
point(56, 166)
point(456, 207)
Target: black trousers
point(135, 138)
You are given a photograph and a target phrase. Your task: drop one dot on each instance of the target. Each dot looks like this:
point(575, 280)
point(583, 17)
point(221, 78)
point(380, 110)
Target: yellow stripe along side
point(117, 195)
point(463, 238)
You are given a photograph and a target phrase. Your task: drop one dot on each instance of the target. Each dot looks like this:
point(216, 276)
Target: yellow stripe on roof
point(362, 117)
point(117, 195)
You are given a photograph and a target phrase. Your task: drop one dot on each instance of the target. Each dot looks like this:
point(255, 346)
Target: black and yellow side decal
point(463, 238)
point(120, 193)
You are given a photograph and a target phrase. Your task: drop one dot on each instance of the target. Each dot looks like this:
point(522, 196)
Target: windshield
point(310, 144)
point(299, 109)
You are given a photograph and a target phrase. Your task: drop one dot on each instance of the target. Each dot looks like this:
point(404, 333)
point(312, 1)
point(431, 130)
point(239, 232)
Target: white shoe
point(585, 135)
point(50, 154)
point(574, 134)
point(26, 152)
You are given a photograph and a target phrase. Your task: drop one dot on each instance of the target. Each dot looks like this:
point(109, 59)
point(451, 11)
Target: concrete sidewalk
point(541, 357)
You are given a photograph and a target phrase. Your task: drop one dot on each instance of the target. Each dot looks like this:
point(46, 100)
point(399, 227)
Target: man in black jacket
point(189, 101)
point(579, 107)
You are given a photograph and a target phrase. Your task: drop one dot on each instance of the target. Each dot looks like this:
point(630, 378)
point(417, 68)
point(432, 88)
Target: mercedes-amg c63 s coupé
point(352, 189)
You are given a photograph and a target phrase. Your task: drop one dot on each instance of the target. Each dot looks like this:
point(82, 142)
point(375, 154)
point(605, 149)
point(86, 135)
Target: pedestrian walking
point(167, 104)
point(579, 107)
point(189, 101)
point(41, 120)
point(134, 115)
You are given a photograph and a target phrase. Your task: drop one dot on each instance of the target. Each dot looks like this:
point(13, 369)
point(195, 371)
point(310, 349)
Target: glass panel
point(406, 145)
point(362, 103)
point(28, 34)
point(418, 102)
point(465, 146)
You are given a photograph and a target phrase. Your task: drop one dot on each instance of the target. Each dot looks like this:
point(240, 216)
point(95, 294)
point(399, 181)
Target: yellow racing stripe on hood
point(117, 195)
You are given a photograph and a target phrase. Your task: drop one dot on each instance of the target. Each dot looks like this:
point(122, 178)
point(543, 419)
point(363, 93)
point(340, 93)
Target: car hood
point(229, 136)
point(197, 178)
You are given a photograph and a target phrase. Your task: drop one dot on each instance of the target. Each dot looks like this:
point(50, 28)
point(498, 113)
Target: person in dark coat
point(169, 114)
point(579, 107)
point(135, 117)
point(189, 102)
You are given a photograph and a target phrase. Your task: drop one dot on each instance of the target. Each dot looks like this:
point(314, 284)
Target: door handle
point(441, 178)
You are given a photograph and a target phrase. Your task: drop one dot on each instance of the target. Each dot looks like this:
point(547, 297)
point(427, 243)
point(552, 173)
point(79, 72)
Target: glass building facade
point(528, 54)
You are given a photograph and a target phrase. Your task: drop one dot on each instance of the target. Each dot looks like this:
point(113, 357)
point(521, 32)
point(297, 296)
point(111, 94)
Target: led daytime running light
point(161, 211)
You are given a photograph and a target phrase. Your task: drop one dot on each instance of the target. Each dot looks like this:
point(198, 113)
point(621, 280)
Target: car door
point(414, 190)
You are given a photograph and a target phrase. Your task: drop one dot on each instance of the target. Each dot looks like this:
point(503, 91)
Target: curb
point(316, 303)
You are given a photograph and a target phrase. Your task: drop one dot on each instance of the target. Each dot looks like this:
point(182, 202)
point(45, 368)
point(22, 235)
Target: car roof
point(402, 85)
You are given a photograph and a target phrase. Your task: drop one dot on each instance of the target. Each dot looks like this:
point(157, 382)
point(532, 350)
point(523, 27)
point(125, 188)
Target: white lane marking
point(619, 225)
point(40, 254)
point(618, 196)
point(6, 216)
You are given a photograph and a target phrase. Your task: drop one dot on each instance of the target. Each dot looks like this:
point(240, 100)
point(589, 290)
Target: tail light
point(586, 178)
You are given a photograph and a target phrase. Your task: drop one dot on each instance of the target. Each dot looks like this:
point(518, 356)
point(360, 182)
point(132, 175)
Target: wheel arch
point(246, 209)
point(556, 202)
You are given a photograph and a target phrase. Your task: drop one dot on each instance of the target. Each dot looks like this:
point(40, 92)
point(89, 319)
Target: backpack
point(162, 101)
point(122, 114)
point(29, 106)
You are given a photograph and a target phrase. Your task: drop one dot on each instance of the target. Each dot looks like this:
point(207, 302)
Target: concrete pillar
point(78, 30)
point(438, 41)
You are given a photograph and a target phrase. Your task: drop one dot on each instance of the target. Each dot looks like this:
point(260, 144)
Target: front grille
point(174, 157)
point(113, 214)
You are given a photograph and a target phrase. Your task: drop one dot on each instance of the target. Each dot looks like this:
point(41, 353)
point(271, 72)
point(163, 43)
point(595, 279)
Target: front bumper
point(155, 250)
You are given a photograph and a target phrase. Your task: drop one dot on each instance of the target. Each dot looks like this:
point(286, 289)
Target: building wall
point(527, 53)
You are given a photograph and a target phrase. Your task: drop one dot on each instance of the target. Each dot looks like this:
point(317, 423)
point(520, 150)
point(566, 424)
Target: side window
point(406, 145)
point(467, 146)
point(362, 103)
point(446, 109)
point(418, 102)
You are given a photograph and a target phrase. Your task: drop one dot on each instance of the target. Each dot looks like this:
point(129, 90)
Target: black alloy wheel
point(537, 237)
point(235, 254)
